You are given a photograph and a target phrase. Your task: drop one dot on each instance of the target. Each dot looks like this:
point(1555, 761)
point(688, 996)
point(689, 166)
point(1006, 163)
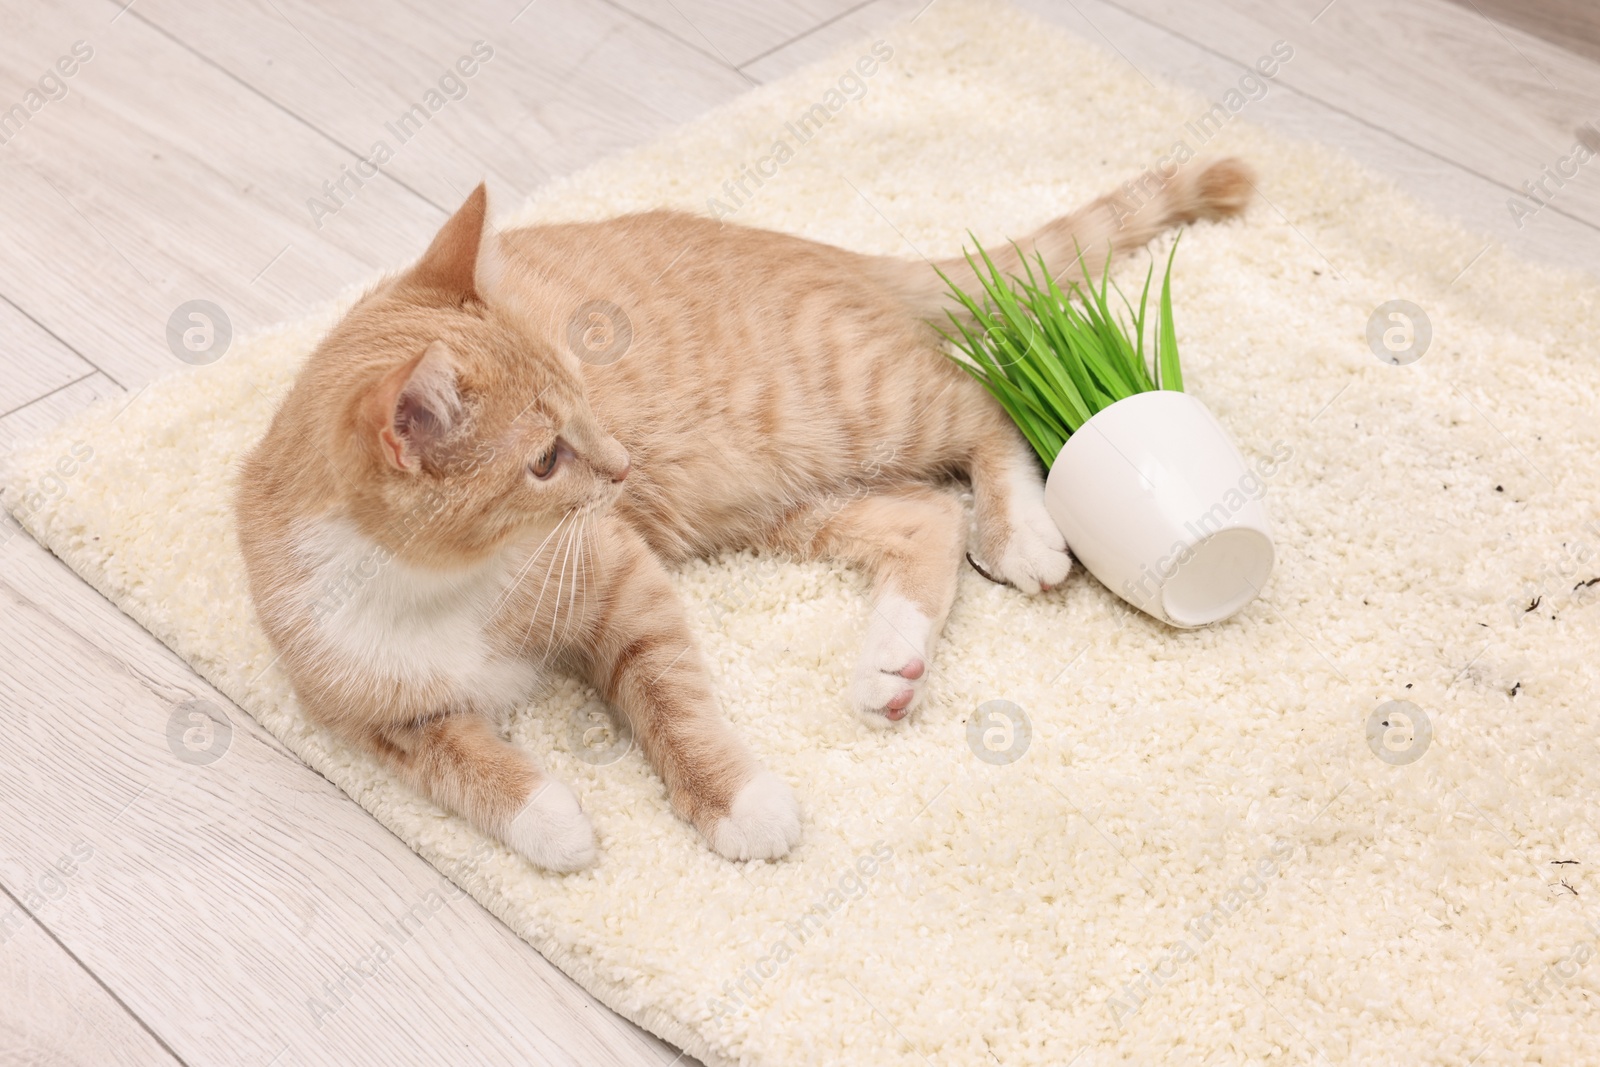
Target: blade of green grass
point(1051, 358)
point(1171, 370)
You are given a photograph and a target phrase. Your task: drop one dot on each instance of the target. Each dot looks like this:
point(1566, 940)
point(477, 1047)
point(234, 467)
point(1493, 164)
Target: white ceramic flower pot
point(1155, 500)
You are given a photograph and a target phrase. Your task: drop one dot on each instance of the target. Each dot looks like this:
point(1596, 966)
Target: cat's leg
point(1017, 539)
point(638, 652)
point(909, 542)
point(457, 760)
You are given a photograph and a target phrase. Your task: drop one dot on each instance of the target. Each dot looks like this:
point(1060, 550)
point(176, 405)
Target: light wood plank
point(567, 82)
point(1492, 99)
point(32, 362)
point(44, 414)
point(869, 21)
point(478, 993)
point(1570, 24)
point(1162, 53)
point(737, 33)
point(158, 179)
point(224, 901)
point(51, 1010)
point(105, 660)
point(1477, 201)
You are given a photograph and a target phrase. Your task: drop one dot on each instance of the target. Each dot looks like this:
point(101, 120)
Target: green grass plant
point(1053, 359)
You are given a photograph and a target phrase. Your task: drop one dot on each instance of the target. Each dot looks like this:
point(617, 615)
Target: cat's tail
point(1121, 221)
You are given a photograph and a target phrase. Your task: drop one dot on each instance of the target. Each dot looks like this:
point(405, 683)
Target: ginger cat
point(450, 503)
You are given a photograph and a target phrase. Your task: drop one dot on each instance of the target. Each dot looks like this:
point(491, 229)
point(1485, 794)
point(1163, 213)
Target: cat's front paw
point(763, 822)
point(1035, 557)
point(552, 830)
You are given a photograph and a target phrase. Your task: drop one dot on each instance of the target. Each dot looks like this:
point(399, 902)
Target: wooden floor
point(158, 911)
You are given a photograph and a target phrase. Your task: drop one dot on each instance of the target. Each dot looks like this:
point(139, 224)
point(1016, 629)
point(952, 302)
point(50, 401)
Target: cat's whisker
point(572, 594)
point(581, 566)
point(533, 615)
point(533, 558)
point(562, 549)
point(555, 614)
point(588, 550)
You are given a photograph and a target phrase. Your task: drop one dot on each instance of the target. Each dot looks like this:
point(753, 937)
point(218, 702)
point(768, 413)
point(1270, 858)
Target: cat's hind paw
point(882, 696)
point(894, 662)
point(552, 830)
point(1035, 558)
point(763, 823)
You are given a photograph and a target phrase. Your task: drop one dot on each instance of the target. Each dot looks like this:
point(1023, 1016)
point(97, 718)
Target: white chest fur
point(408, 624)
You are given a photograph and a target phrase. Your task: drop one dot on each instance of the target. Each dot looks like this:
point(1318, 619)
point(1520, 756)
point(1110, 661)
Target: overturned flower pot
point(1157, 503)
point(1145, 484)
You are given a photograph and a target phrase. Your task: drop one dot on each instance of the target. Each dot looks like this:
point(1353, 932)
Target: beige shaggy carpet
point(1205, 847)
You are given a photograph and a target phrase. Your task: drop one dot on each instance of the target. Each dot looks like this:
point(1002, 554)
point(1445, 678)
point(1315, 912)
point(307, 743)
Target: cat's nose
point(609, 455)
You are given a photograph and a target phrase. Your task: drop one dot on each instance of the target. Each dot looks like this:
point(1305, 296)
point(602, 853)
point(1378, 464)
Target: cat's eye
point(545, 465)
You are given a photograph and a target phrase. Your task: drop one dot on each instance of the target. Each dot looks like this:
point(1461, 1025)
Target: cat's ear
point(416, 407)
point(464, 259)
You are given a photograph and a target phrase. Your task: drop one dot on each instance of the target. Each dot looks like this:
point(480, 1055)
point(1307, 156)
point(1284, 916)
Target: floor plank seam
point(715, 54)
point(824, 24)
point(1304, 95)
point(307, 123)
point(53, 392)
point(112, 993)
point(25, 313)
point(274, 853)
